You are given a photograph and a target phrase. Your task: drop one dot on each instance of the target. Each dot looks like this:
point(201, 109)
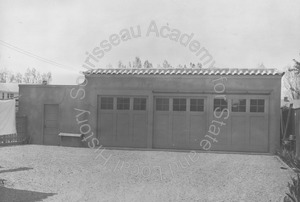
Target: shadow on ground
point(17, 195)
point(15, 169)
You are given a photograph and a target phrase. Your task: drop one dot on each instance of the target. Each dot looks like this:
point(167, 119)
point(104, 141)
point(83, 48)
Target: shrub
point(294, 190)
point(290, 159)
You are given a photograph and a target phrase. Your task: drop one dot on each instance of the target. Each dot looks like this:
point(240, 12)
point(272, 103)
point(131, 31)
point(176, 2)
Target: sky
point(237, 34)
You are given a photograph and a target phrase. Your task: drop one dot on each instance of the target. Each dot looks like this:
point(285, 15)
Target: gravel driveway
point(50, 173)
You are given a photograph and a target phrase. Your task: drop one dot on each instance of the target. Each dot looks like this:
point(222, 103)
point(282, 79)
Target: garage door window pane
point(260, 109)
point(107, 103)
point(257, 105)
point(220, 104)
point(139, 104)
point(179, 104)
point(253, 102)
point(238, 105)
point(260, 102)
point(197, 105)
point(123, 103)
point(162, 104)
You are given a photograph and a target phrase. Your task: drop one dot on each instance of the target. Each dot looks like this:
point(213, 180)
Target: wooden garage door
point(246, 128)
point(179, 122)
point(51, 131)
point(250, 129)
point(122, 121)
point(183, 122)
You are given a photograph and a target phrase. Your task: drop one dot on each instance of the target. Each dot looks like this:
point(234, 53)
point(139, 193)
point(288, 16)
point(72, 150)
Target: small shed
point(8, 90)
point(234, 110)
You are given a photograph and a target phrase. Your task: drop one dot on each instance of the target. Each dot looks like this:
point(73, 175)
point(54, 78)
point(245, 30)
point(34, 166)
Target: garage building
point(175, 109)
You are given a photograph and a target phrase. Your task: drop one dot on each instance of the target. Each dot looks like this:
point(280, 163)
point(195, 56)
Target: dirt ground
point(50, 173)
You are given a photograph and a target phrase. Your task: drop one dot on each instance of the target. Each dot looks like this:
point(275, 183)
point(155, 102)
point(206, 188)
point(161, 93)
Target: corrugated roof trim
point(240, 72)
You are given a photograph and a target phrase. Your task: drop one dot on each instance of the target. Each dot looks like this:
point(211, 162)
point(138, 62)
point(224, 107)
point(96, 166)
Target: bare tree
point(3, 75)
point(179, 66)
point(121, 65)
point(30, 76)
point(19, 77)
point(291, 84)
point(137, 63)
point(192, 65)
point(12, 78)
point(46, 77)
point(166, 64)
point(27, 76)
point(296, 67)
point(147, 64)
point(33, 76)
point(261, 66)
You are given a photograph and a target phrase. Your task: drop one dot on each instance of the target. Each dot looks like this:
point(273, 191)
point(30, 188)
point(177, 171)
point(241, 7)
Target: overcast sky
point(238, 34)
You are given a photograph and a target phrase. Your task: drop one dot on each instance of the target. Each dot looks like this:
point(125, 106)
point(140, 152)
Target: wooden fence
point(20, 137)
point(290, 127)
point(296, 130)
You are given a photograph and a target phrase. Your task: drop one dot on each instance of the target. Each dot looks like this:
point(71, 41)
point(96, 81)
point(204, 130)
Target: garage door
point(122, 121)
point(183, 122)
point(179, 122)
point(246, 128)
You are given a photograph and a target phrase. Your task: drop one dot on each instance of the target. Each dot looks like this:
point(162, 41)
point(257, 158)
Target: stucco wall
point(33, 97)
point(145, 85)
point(31, 104)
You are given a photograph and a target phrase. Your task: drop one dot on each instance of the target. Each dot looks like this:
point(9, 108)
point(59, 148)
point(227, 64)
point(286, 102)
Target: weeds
point(293, 162)
point(290, 159)
point(294, 190)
